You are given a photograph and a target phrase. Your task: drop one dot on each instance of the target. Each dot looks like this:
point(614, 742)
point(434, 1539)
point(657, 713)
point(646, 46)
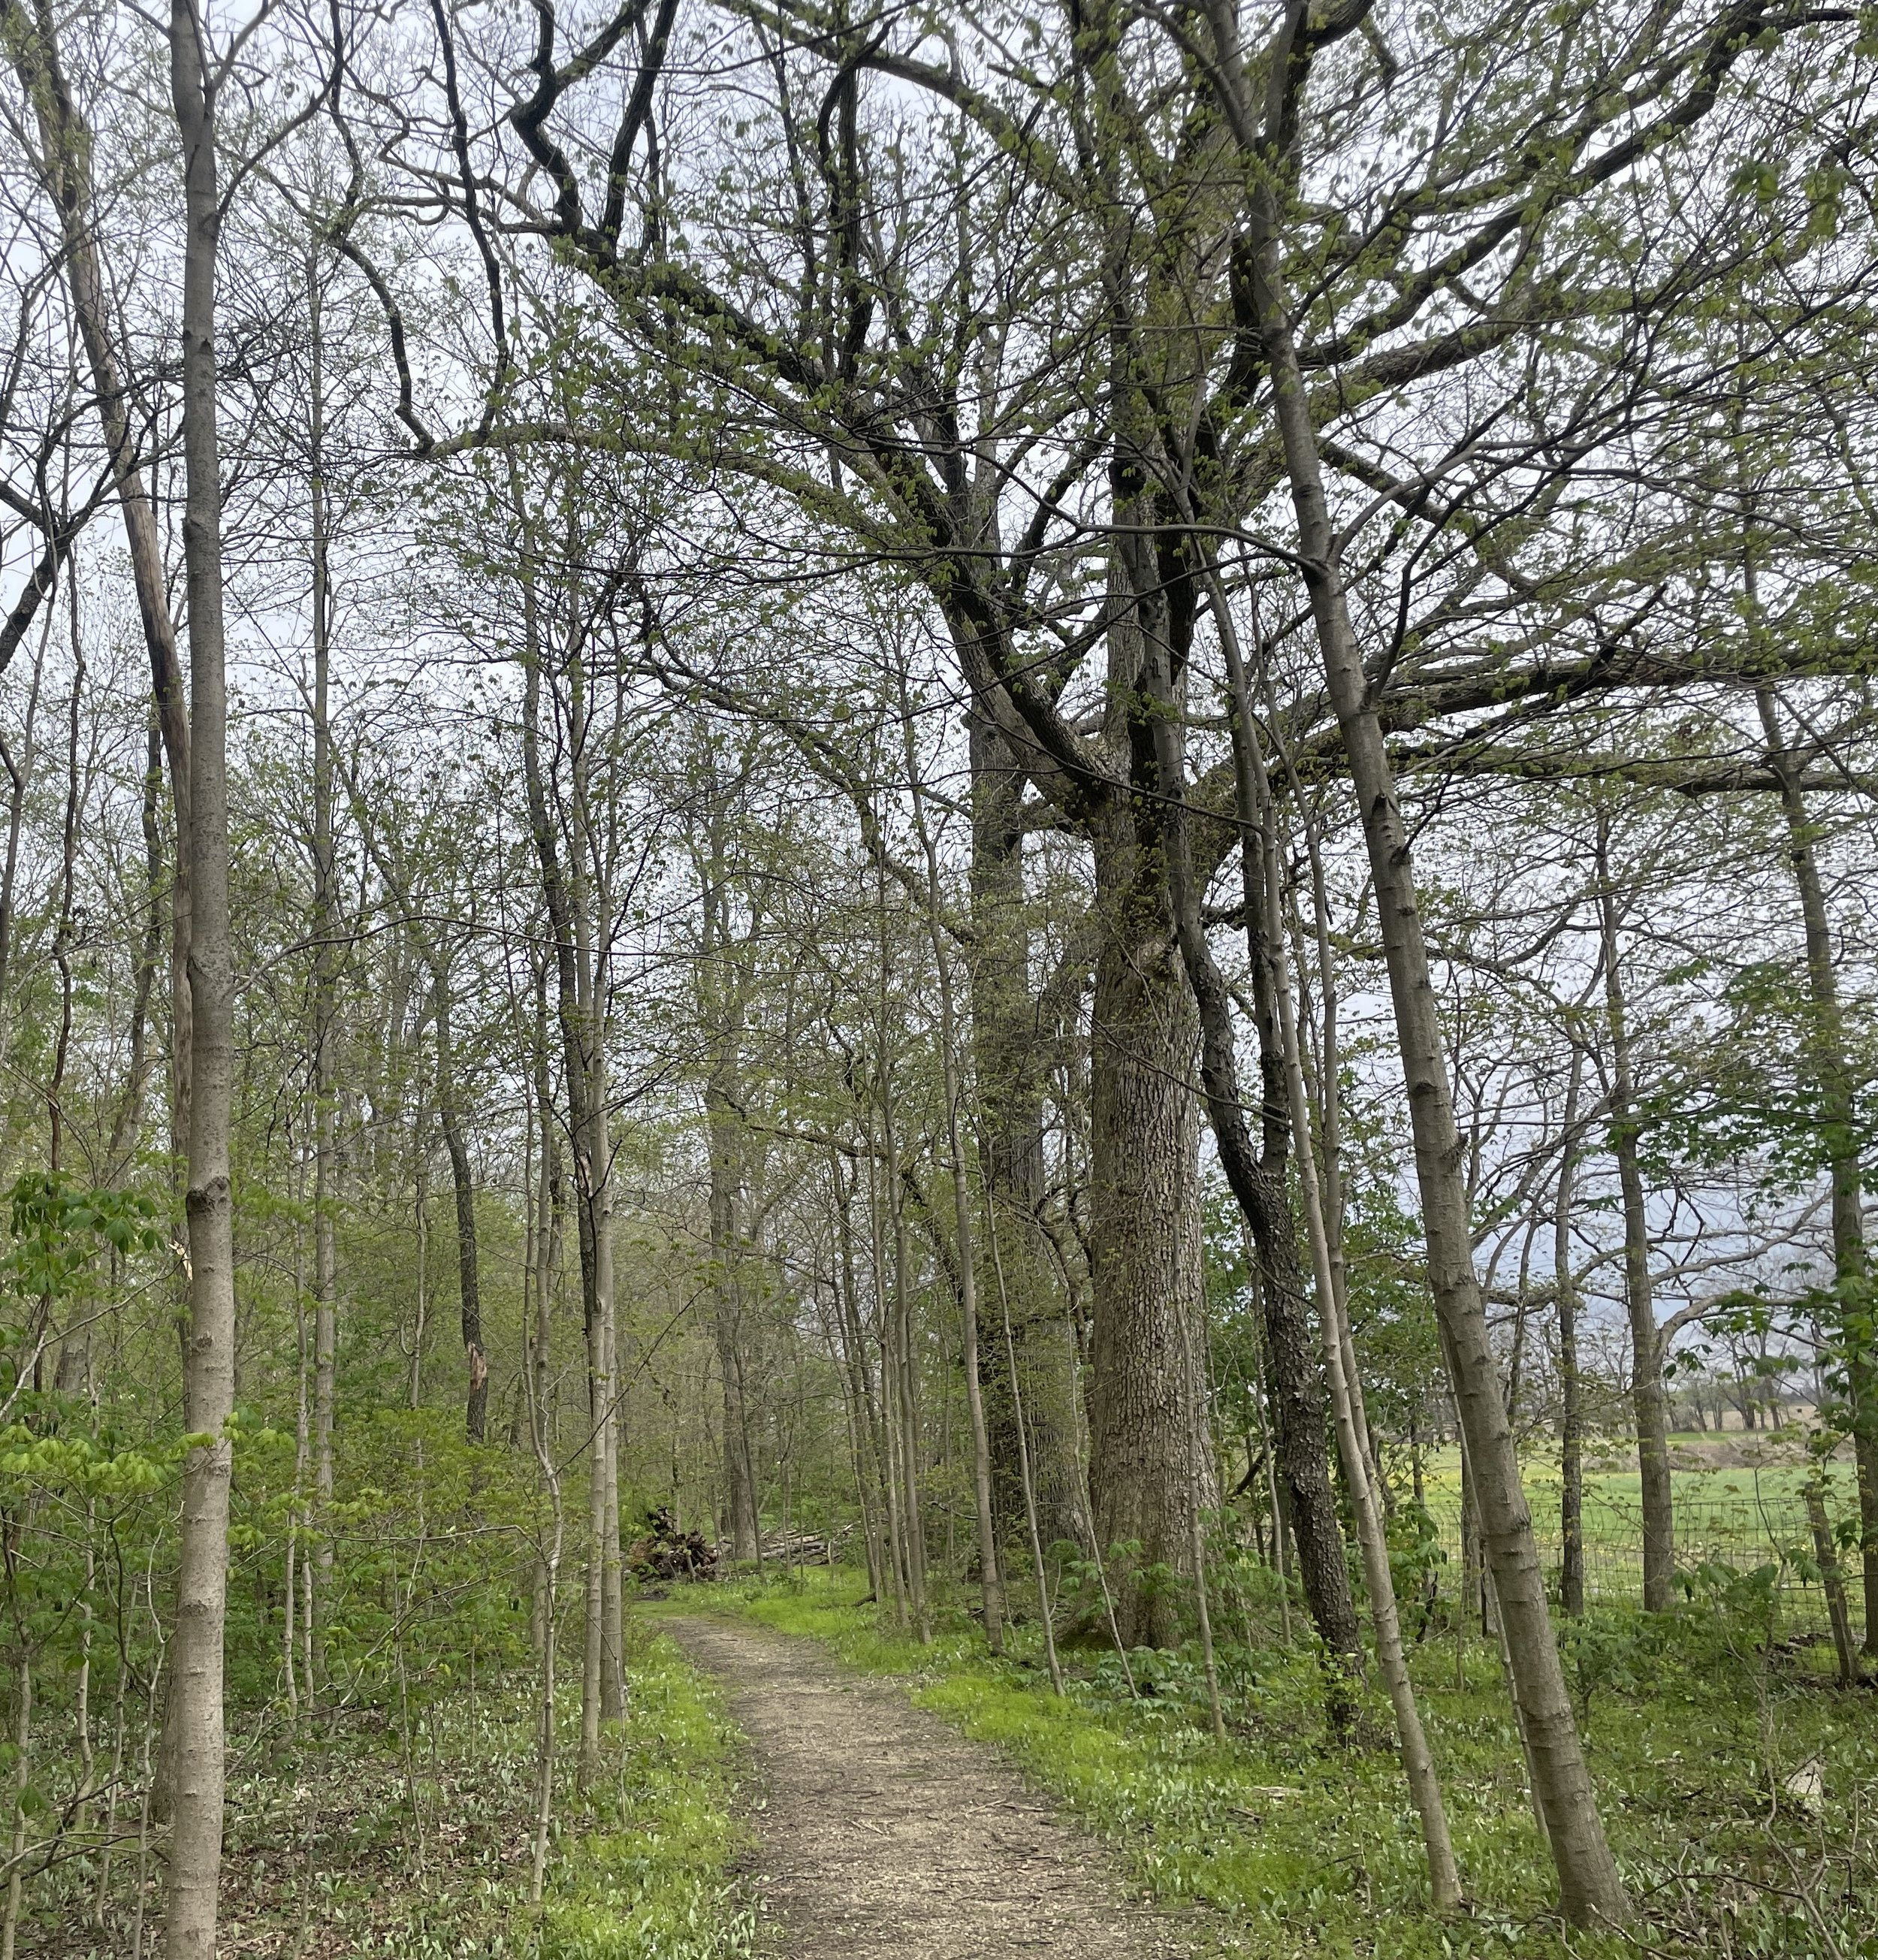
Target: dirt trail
point(884, 1836)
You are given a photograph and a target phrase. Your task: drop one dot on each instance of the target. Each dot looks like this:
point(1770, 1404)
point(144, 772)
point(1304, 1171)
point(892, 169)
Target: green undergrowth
point(644, 1873)
point(411, 1833)
point(1305, 1847)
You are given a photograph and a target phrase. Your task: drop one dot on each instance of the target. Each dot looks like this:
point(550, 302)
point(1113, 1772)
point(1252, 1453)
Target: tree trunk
point(740, 1476)
point(1258, 1183)
point(1826, 1554)
point(420, 1228)
point(893, 1426)
point(721, 1003)
point(62, 930)
point(1424, 1788)
point(18, 780)
point(1590, 1889)
point(468, 1265)
point(1833, 1072)
point(128, 1122)
point(1040, 1571)
point(1144, 1212)
point(325, 1017)
point(991, 1571)
point(1570, 1388)
point(870, 1453)
point(550, 1204)
point(898, 1358)
point(65, 156)
point(1010, 1056)
point(1323, 1092)
point(566, 893)
point(195, 1765)
point(593, 1184)
point(1649, 1405)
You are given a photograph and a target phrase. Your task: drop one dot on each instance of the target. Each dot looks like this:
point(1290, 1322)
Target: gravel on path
point(883, 1835)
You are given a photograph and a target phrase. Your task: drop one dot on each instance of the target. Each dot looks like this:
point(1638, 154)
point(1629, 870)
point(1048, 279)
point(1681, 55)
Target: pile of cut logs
point(666, 1552)
point(663, 1552)
point(800, 1549)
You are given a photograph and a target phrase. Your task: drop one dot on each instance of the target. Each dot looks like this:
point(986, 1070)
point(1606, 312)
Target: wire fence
point(1765, 1538)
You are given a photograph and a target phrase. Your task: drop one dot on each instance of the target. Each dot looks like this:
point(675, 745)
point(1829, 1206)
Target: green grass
point(1305, 1849)
point(1610, 1472)
point(1612, 1488)
point(644, 1874)
point(1742, 1515)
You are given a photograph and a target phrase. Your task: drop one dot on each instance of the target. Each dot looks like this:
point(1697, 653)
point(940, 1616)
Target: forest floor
point(1738, 1784)
point(884, 1835)
point(360, 1835)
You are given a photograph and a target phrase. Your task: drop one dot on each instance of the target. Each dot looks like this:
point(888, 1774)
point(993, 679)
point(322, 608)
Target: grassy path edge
point(1303, 1850)
point(648, 1869)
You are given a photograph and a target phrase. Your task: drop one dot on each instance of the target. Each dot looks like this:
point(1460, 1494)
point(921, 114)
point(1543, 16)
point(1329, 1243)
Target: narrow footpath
point(884, 1836)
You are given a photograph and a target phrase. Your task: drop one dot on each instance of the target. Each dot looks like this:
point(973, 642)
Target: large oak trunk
point(1144, 1209)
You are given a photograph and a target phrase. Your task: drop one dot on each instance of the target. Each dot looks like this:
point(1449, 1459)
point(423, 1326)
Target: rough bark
point(1145, 1213)
point(196, 1758)
point(1150, 1467)
point(979, 584)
